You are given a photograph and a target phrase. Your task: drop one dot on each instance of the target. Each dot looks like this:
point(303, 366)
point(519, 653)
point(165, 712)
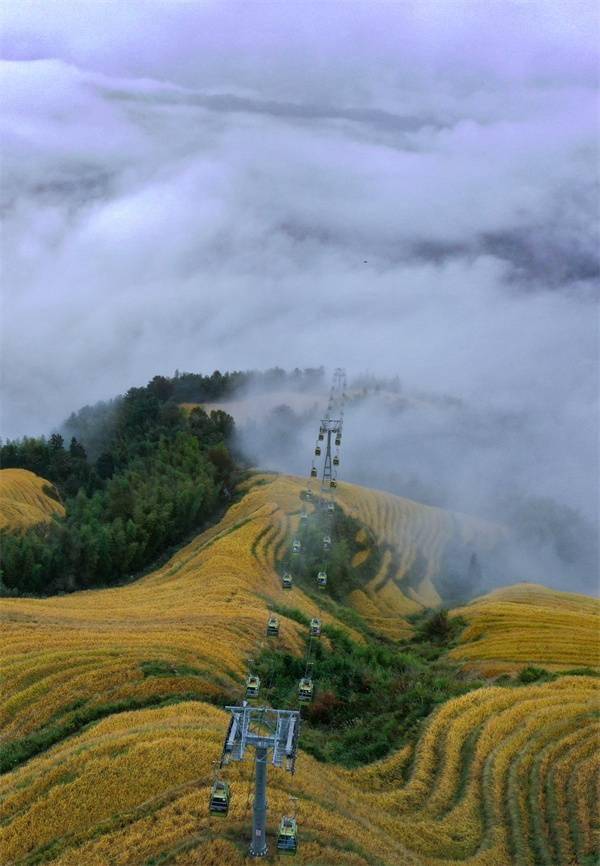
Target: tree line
point(94, 424)
point(152, 474)
point(194, 387)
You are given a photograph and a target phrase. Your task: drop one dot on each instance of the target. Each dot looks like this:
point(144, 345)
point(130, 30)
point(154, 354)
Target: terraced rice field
point(197, 620)
point(23, 500)
point(528, 624)
point(107, 774)
point(413, 538)
point(500, 776)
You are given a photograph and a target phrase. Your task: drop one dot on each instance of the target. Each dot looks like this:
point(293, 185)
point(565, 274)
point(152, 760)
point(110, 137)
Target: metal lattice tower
point(331, 425)
point(328, 427)
point(262, 728)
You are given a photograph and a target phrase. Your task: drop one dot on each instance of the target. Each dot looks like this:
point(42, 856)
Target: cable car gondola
point(252, 686)
point(333, 483)
point(287, 839)
point(315, 627)
point(322, 579)
point(273, 626)
point(336, 460)
point(296, 545)
point(287, 580)
point(313, 472)
point(220, 795)
point(305, 689)
point(318, 451)
point(326, 542)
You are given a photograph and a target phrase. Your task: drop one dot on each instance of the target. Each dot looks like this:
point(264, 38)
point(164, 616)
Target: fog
point(440, 451)
point(406, 188)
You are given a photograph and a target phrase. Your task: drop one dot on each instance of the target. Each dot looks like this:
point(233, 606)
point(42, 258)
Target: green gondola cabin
point(305, 689)
point(287, 838)
point(220, 795)
point(272, 626)
point(252, 686)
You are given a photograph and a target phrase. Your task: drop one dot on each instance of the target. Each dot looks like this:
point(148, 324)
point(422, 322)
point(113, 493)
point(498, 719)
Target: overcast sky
point(403, 187)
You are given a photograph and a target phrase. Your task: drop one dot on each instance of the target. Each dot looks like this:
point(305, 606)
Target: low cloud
point(401, 189)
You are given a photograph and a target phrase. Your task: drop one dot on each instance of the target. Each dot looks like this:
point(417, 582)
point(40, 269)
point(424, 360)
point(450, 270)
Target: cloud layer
point(404, 188)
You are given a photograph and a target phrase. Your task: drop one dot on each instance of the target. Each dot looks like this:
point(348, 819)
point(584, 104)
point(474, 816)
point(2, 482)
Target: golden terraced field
point(498, 776)
point(528, 624)
point(412, 537)
point(23, 500)
point(205, 609)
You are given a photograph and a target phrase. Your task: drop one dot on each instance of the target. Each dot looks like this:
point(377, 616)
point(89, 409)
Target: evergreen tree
point(76, 450)
point(159, 475)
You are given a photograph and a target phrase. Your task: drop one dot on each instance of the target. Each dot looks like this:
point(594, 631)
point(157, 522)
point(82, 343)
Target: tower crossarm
point(262, 728)
point(330, 425)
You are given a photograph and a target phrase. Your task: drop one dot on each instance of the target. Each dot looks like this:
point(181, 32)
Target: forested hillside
point(152, 475)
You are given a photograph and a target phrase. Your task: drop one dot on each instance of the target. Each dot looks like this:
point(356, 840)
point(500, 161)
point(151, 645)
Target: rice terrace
point(420, 737)
point(299, 433)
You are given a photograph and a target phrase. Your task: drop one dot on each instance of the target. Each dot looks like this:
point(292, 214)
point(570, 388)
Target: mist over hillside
point(438, 449)
point(399, 189)
point(428, 447)
point(362, 185)
point(229, 228)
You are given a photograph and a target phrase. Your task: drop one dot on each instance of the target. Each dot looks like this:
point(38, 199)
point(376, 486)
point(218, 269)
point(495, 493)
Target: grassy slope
point(530, 624)
point(501, 775)
point(412, 537)
point(23, 501)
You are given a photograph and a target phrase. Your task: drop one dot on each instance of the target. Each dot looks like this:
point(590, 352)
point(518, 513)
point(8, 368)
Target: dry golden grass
point(23, 501)
point(135, 786)
point(528, 624)
point(206, 609)
point(500, 776)
point(413, 537)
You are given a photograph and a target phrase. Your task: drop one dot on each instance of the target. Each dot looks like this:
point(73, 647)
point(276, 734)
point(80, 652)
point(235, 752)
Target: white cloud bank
point(407, 188)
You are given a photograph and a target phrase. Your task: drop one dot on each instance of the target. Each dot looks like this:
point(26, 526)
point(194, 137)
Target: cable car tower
point(262, 728)
point(331, 427)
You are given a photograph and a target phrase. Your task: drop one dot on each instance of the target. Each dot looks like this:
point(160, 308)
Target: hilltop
point(529, 624)
point(26, 500)
point(114, 718)
point(145, 478)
